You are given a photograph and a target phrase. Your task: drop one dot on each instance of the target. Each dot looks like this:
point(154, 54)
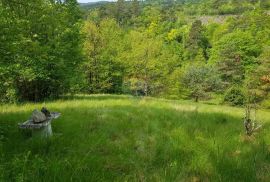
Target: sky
point(86, 1)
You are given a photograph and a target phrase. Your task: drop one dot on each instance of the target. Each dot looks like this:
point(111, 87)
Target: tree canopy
point(172, 49)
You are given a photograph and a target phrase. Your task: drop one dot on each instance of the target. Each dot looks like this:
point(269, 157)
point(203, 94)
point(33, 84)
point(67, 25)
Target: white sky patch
point(88, 1)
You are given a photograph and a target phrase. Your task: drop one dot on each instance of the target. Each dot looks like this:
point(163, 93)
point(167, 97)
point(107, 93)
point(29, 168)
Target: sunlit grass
point(122, 138)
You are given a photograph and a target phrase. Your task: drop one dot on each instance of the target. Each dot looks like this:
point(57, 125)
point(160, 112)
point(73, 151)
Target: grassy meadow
point(123, 138)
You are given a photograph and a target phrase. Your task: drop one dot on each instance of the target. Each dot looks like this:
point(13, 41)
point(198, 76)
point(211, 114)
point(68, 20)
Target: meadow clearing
point(124, 138)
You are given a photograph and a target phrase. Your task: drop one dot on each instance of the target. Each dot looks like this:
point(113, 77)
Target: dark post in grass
point(40, 123)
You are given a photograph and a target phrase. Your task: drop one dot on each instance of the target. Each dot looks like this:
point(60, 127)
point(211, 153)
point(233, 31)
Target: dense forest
point(190, 49)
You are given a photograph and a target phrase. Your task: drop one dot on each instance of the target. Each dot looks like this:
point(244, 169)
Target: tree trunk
point(145, 89)
point(196, 99)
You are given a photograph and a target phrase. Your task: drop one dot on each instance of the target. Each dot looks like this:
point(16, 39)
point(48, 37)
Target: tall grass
point(122, 138)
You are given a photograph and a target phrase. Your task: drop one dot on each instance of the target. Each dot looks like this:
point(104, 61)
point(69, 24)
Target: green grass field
point(122, 138)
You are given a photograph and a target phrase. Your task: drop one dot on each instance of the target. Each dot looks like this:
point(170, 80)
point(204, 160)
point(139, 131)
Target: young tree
point(196, 41)
point(234, 55)
point(150, 61)
point(200, 80)
point(135, 8)
point(121, 12)
point(144, 66)
point(101, 46)
point(258, 81)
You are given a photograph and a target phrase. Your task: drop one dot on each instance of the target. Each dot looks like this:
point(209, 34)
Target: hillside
point(91, 5)
point(123, 138)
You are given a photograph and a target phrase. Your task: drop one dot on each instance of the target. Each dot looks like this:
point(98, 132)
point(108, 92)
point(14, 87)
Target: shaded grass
point(122, 138)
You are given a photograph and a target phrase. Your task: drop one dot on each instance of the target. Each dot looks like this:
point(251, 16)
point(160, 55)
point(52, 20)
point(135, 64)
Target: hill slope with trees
point(199, 49)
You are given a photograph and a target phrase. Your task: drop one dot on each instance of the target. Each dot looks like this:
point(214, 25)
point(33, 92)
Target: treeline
point(151, 48)
point(223, 7)
point(155, 48)
point(193, 7)
point(40, 48)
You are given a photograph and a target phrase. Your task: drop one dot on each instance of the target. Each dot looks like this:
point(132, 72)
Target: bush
point(266, 103)
point(200, 80)
point(235, 96)
point(8, 95)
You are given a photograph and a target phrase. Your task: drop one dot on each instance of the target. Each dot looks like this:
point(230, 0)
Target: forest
point(185, 49)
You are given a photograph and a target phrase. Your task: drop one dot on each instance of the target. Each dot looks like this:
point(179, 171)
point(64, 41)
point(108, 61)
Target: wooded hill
point(174, 49)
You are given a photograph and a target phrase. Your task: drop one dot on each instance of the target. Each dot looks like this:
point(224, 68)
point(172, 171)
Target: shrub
point(235, 96)
point(266, 104)
point(200, 80)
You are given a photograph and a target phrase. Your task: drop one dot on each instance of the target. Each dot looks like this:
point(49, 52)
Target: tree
point(144, 67)
point(258, 81)
point(234, 55)
point(200, 80)
point(47, 48)
point(148, 63)
point(9, 29)
point(196, 41)
point(103, 69)
point(121, 12)
point(135, 8)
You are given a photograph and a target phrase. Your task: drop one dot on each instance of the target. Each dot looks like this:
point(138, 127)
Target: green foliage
point(200, 80)
point(144, 62)
point(235, 54)
point(196, 41)
point(133, 47)
point(265, 4)
point(223, 7)
point(40, 47)
point(266, 103)
point(235, 96)
point(101, 47)
point(259, 79)
point(152, 49)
